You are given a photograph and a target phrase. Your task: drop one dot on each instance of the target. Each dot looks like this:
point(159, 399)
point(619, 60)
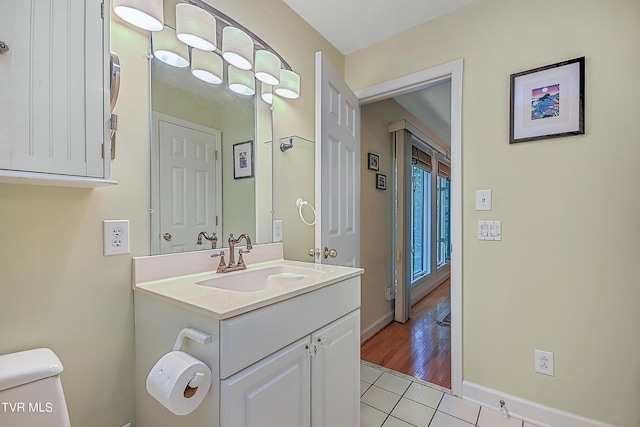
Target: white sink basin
point(257, 280)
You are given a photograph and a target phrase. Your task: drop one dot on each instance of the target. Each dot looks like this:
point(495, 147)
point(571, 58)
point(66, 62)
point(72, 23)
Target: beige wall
point(564, 277)
point(57, 289)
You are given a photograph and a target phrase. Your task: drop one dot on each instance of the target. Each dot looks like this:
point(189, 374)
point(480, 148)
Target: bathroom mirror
point(195, 126)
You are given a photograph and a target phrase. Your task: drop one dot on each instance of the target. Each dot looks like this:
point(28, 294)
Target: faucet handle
point(222, 264)
point(240, 259)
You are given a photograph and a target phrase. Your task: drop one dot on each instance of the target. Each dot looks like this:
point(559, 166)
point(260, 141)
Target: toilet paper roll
point(168, 382)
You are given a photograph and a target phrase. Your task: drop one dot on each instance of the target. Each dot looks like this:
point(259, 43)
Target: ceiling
point(351, 25)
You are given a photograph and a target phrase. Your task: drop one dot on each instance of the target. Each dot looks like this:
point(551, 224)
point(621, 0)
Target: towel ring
point(300, 204)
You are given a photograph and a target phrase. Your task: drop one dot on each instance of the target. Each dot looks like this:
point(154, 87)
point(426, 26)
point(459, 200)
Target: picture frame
point(547, 102)
point(381, 181)
point(243, 160)
point(373, 162)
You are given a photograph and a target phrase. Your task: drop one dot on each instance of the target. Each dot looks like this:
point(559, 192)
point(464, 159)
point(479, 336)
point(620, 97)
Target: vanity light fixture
point(195, 27)
point(207, 66)
point(289, 86)
point(267, 67)
point(237, 47)
point(168, 49)
point(241, 81)
point(266, 93)
point(145, 14)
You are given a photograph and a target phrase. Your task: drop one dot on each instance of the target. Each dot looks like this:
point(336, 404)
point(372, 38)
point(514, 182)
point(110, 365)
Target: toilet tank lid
point(28, 366)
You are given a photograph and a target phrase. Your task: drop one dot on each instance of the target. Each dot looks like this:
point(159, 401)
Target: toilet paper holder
point(197, 336)
point(192, 333)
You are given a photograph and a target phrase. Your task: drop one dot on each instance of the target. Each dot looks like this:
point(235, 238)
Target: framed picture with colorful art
point(547, 102)
point(243, 160)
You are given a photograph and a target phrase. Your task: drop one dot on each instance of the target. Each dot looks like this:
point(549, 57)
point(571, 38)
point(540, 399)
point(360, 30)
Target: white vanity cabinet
point(286, 355)
point(54, 92)
point(314, 382)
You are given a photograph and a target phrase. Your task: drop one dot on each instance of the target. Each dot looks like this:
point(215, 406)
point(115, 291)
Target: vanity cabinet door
point(335, 374)
point(273, 392)
point(53, 87)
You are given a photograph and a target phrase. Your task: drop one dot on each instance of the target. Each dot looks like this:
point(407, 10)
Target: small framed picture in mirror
point(243, 160)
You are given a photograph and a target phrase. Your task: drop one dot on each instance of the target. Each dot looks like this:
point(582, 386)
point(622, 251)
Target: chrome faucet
point(232, 265)
point(213, 239)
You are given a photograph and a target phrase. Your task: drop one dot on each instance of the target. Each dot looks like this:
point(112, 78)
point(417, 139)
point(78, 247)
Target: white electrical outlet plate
point(544, 362)
point(277, 230)
point(116, 237)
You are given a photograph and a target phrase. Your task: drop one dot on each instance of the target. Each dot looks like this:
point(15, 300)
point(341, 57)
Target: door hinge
point(216, 219)
point(216, 155)
point(102, 10)
point(312, 349)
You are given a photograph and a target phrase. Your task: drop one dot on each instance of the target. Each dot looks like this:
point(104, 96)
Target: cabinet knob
point(3, 47)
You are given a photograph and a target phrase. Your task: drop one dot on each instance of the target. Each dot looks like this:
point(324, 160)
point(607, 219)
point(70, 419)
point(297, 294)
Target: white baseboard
point(535, 413)
point(376, 327)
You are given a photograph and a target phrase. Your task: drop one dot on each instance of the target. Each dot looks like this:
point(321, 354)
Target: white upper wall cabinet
point(54, 93)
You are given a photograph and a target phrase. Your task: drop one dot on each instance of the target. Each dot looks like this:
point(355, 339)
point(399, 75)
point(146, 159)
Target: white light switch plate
point(116, 237)
point(483, 200)
point(489, 230)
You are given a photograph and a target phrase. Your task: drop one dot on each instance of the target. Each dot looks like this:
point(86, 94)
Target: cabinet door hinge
point(312, 349)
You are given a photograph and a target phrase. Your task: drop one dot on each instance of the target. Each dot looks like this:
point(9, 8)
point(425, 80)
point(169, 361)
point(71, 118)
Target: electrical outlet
point(277, 230)
point(387, 293)
point(116, 237)
point(544, 362)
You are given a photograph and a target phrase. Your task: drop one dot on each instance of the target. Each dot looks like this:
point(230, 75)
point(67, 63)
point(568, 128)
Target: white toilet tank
point(30, 390)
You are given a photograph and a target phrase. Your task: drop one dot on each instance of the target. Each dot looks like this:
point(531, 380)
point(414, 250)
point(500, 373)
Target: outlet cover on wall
point(544, 362)
point(116, 236)
point(277, 230)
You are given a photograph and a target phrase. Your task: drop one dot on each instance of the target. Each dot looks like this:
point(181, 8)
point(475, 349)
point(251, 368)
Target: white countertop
point(223, 304)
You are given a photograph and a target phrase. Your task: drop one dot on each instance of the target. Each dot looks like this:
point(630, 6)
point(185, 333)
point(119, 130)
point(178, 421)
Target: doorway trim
point(410, 83)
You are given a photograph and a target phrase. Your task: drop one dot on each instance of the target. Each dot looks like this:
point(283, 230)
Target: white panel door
point(336, 374)
point(52, 87)
point(337, 167)
point(189, 189)
point(272, 393)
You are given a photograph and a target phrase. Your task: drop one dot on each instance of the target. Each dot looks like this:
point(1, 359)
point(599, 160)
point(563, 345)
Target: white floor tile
point(395, 422)
point(393, 383)
point(371, 417)
point(424, 394)
point(364, 387)
point(459, 408)
point(380, 399)
point(440, 419)
point(369, 374)
point(491, 418)
point(412, 412)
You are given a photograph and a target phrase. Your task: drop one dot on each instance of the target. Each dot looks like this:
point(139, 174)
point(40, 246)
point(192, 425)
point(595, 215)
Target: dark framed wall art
point(547, 102)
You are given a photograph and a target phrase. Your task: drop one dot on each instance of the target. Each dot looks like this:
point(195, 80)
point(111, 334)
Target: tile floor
point(392, 399)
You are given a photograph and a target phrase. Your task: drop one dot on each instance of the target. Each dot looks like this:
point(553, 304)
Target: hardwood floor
point(421, 347)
